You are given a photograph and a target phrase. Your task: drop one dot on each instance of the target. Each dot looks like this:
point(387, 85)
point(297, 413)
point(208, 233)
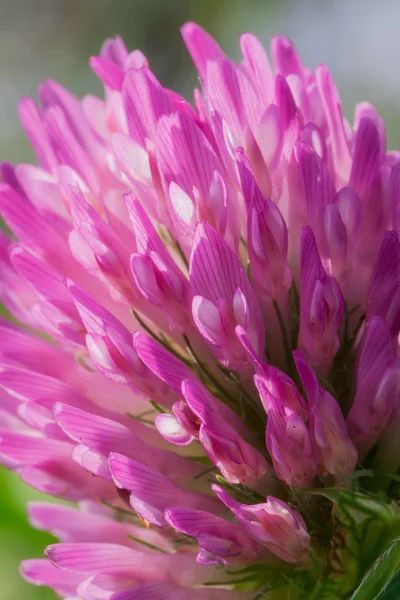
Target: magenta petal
point(43, 572)
point(367, 157)
point(108, 72)
point(377, 381)
point(145, 102)
point(219, 540)
point(91, 559)
point(216, 274)
point(152, 492)
point(202, 47)
point(334, 119)
point(258, 65)
point(385, 279)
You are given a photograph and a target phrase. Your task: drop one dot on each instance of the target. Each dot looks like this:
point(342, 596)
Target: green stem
point(178, 248)
point(140, 418)
point(204, 370)
point(159, 339)
point(147, 544)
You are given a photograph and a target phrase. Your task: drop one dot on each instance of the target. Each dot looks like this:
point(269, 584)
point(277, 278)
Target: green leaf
point(360, 505)
point(392, 590)
point(382, 580)
point(358, 475)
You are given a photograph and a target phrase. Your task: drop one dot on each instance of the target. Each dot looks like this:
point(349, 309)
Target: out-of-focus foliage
point(43, 39)
point(18, 539)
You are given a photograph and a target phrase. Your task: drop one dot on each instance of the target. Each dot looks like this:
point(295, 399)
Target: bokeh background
point(39, 39)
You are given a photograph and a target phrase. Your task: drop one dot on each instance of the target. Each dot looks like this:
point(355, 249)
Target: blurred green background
point(42, 39)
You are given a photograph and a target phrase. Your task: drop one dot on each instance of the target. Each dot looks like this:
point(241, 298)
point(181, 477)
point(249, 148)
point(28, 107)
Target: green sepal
point(364, 526)
point(382, 581)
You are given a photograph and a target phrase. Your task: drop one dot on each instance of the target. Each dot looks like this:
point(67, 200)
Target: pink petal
point(145, 102)
point(334, 118)
point(366, 158)
point(36, 132)
point(92, 559)
point(224, 94)
point(159, 360)
point(42, 572)
point(152, 492)
point(109, 73)
point(286, 57)
point(202, 47)
point(258, 64)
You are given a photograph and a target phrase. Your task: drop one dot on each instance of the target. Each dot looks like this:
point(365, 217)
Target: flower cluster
point(206, 303)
